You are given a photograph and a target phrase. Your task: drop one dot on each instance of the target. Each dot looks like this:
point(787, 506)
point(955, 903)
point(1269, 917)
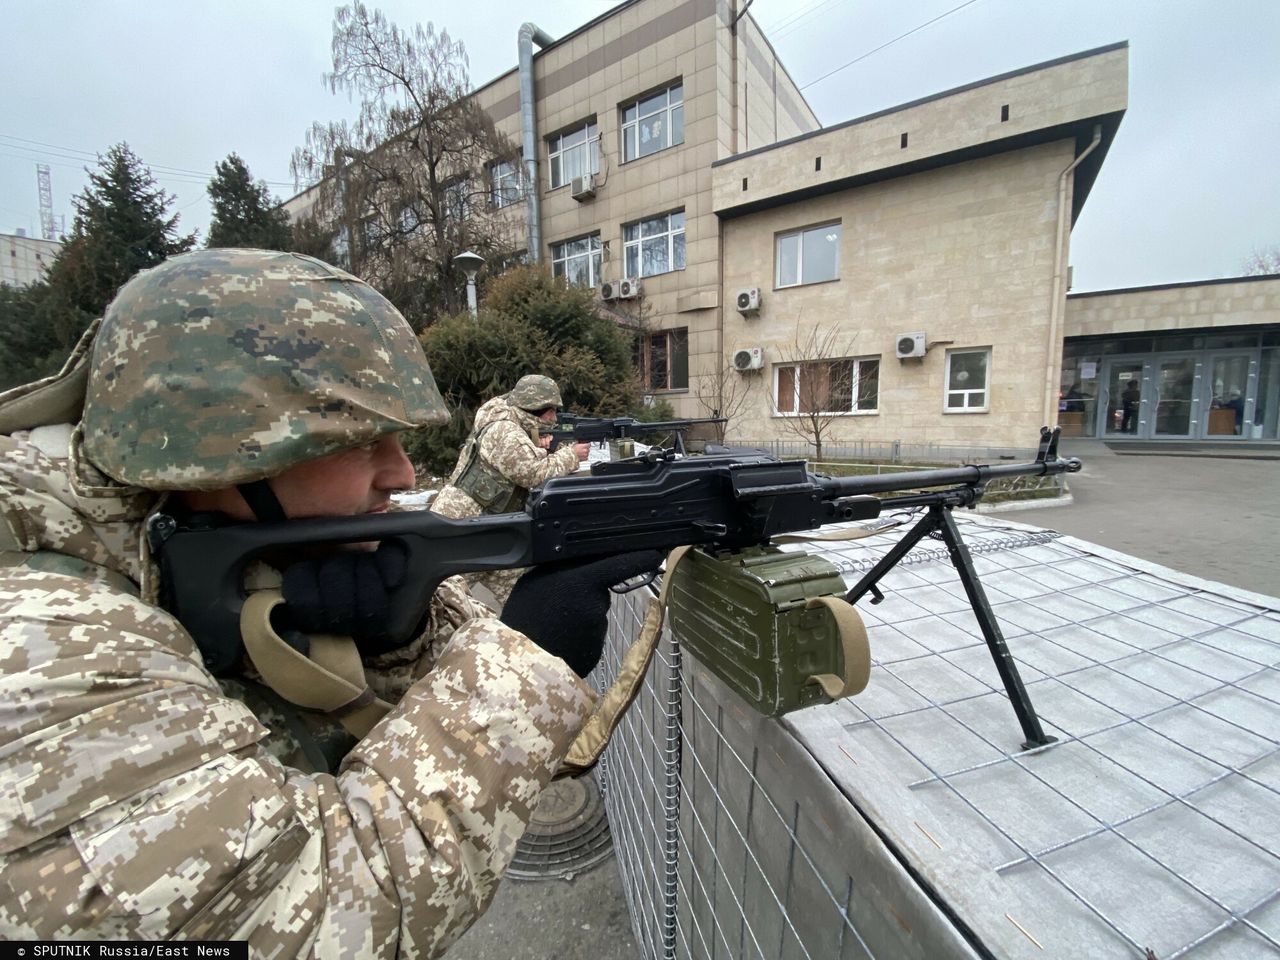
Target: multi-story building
point(23, 259)
point(905, 272)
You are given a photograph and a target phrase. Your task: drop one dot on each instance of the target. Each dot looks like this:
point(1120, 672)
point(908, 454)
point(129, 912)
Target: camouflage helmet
point(222, 367)
point(535, 392)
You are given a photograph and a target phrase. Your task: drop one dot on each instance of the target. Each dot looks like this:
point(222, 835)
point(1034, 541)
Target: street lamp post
point(471, 264)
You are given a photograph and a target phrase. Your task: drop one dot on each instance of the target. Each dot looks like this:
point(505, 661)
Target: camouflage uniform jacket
point(508, 443)
point(141, 802)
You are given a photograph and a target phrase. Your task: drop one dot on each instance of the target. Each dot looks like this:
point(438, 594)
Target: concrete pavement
point(1214, 517)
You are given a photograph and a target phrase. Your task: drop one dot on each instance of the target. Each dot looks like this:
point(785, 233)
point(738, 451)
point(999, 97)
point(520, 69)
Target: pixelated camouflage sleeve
point(508, 449)
point(144, 805)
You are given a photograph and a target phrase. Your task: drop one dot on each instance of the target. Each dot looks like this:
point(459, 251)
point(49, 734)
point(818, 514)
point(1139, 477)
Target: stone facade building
point(906, 272)
point(23, 259)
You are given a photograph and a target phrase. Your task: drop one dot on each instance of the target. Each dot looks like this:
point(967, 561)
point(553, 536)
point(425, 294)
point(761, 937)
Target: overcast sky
point(1188, 190)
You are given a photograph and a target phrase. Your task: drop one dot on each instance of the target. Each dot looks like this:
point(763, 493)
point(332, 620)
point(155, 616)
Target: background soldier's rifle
point(571, 428)
point(722, 502)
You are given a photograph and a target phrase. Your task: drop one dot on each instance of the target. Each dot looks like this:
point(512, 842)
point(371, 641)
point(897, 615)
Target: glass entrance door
point(1226, 391)
point(1120, 406)
point(1175, 396)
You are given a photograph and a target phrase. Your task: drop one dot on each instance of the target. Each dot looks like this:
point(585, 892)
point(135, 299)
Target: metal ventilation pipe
point(1057, 304)
point(529, 35)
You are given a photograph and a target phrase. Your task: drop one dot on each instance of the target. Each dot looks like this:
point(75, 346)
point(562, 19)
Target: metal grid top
point(1150, 825)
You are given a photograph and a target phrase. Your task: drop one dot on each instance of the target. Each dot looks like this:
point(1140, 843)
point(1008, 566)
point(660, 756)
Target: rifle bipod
point(939, 521)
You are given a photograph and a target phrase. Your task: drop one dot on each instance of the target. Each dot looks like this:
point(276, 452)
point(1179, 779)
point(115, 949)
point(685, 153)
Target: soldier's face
point(348, 483)
point(548, 415)
point(342, 484)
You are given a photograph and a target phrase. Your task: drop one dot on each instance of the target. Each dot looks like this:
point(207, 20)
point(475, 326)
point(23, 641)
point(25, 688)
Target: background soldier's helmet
point(221, 367)
point(535, 392)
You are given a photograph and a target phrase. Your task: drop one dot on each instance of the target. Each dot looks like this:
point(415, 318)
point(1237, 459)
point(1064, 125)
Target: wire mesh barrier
point(907, 822)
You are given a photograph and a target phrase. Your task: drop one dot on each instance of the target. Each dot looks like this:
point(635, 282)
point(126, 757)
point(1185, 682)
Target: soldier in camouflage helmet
point(503, 458)
point(148, 800)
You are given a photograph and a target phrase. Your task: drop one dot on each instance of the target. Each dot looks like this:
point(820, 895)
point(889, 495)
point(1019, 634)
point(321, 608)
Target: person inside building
point(1073, 400)
point(504, 458)
point(1235, 401)
point(1130, 400)
point(147, 799)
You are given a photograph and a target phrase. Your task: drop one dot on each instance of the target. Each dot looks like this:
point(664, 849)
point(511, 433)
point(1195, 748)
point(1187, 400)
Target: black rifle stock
point(725, 501)
point(569, 427)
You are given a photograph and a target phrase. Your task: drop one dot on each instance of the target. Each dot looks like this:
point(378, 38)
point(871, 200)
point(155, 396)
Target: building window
point(577, 260)
point(342, 248)
point(371, 231)
point(827, 386)
point(663, 359)
point(409, 220)
point(811, 255)
point(967, 380)
point(655, 245)
point(573, 154)
point(457, 200)
point(505, 183)
point(653, 123)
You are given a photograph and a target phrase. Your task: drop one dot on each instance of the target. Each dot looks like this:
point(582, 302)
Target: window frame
point(856, 380)
point(594, 253)
point(502, 185)
point(644, 359)
point(633, 126)
point(340, 246)
point(637, 244)
point(455, 199)
point(556, 151)
point(800, 233)
point(966, 392)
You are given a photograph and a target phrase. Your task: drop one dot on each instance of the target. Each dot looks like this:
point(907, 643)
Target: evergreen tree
point(244, 212)
point(122, 225)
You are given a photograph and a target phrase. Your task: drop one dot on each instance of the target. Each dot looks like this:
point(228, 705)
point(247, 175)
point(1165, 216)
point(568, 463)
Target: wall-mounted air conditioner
point(628, 288)
point(748, 358)
point(583, 188)
point(911, 345)
point(748, 301)
point(609, 290)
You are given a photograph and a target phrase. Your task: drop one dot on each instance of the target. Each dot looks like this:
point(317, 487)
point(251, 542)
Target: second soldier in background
point(503, 458)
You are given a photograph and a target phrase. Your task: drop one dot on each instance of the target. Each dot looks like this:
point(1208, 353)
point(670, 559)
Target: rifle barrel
point(948, 476)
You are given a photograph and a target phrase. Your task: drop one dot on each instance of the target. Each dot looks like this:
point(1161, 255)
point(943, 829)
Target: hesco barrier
point(908, 822)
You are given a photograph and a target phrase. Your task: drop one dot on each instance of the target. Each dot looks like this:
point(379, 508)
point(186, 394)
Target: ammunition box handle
point(853, 642)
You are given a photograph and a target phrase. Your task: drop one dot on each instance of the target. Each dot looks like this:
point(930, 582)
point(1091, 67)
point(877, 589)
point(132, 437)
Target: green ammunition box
point(743, 614)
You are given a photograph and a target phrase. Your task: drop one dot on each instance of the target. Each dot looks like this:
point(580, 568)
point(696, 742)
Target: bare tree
point(405, 186)
point(1262, 262)
point(723, 392)
point(815, 381)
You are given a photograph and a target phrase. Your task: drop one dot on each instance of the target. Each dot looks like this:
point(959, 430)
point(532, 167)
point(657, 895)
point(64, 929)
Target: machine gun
point(722, 502)
point(572, 428)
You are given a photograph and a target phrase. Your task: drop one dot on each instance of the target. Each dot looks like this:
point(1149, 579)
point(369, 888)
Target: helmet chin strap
point(262, 501)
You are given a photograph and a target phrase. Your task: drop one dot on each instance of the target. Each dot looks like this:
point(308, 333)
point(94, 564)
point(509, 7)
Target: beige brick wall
point(643, 47)
point(1182, 307)
point(773, 108)
point(964, 253)
point(25, 260)
point(1061, 94)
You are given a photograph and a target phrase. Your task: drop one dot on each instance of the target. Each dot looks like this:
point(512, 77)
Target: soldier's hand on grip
point(346, 593)
point(564, 607)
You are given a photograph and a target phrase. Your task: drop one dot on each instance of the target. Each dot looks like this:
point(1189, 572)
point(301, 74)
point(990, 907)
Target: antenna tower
point(46, 202)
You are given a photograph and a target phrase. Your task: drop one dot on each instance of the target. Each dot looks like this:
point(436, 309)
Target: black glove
point(346, 593)
point(564, 607)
